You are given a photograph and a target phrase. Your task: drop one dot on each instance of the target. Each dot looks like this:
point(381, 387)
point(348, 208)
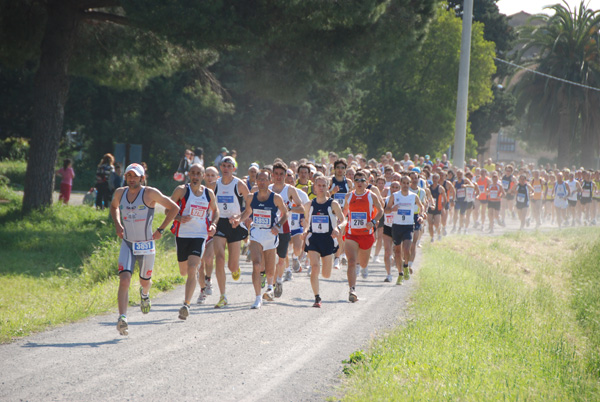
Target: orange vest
point(494, 192)
point(360, 212)
point(483, 183)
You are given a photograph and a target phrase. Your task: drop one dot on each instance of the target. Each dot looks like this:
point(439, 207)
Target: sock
point(295, 258)
point(410, 263)
point(288, 269)
point(280, 279)
point(123, 316)
point(258, 298)
point(269, 288)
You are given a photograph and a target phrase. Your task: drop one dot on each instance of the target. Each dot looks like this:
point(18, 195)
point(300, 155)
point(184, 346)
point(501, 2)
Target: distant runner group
point(327, 215)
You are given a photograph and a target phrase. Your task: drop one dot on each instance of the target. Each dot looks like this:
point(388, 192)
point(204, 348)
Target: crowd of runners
point(317, 217)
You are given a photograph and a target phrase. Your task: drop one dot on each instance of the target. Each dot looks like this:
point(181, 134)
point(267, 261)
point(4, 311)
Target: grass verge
point(60, 265)
point(514, 317)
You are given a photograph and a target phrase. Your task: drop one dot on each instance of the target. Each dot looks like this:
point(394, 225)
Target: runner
point(132, 210)
point(561, 195)
point(494, 193)
point(536, 199)
point(290, 197)
point(462, 184)
point(403, 204)
point(387, 233)
point(434, 214)
point(446, 180)
point(470, 200)
point(424, 196)
point(587, 191)
point(483, 183)
point(340, 186)
point(574, 194)
point(195, 222)
point(265, 206)
point(507, 203)
point(230, 192)
point(296, 225)
point(322, 229)
point(359, 206)
point(523, 192)
point(211, 175)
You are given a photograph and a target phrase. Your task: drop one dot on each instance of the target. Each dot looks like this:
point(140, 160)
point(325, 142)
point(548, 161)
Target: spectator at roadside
point(198, 156)
point(67, 174)
point(116, 179)
point(185, 163)
point(105, 168)
point(220, 157)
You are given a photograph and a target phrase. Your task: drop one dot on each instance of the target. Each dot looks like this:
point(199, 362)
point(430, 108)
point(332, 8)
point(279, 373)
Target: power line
point(547, 75)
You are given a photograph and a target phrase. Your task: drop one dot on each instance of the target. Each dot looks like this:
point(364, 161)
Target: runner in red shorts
point(363, 209)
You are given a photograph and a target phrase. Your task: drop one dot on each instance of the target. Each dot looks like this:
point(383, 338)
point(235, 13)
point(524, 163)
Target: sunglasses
point(360, 180)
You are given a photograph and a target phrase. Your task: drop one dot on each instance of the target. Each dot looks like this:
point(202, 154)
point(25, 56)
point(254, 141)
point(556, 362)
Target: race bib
point(295, 221)
point(481, 188)
point(358, 220)
point(586, 193)
point(340, 198)
point(537, 189)
point(143, 247)
point(461, 193)
point(225, 201)
point(261, 218)
point(521, 198)
point(505, 184)
point(494, 194)
point(320, 224)
point(405, 214)
point(389, 219)
point(198, 211)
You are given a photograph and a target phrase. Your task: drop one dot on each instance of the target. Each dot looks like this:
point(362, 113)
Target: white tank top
point(405, 212)
point(198, 208)
point(573, 187)
point(286, 201)
point(229, 200)
point(136, 217)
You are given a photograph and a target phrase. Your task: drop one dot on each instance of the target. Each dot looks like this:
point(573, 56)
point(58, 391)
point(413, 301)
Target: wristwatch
point(161, 231)
point(278, 225)
point(374, 222)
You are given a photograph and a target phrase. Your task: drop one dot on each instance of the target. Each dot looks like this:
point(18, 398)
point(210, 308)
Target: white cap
point(136, 168)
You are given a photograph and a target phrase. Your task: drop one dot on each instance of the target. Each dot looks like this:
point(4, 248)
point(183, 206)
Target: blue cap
point(416, 169)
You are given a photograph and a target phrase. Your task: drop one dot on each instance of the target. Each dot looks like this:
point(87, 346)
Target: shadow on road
point(72, 345)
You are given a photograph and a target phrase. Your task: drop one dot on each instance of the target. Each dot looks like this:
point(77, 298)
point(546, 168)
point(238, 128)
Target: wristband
point(161, 231)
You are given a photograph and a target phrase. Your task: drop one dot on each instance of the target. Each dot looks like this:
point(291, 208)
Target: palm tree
point(567, 47)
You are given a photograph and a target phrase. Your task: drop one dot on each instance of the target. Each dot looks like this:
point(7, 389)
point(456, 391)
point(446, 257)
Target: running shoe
point(296, 265)
point(208, 289)
point(308, 270)
point(145, 303)
point(236, 275)
point(317, 302)
point(388, 278)
point(352, 297)
point(357, 269)
point(184, 312)
point(376, 259)
point(444, 231)
point(440, 236)
point(344, 260)
point(122, 326)
point(365, 273)
point(201, 297)
point(406, 274)
point(336, 263)
point(400, 279)
point(287, 275)
point(278, 289)
point(268, 295)
point(244, 248)
point(257, 304)
point(263, 279)
point(222, 302)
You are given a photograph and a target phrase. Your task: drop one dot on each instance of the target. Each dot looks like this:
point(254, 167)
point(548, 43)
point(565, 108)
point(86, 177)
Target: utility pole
point(460, 130)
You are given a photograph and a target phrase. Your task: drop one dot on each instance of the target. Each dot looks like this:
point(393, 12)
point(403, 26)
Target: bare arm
point(115, 213)
point(171, 209)
point(282, 210)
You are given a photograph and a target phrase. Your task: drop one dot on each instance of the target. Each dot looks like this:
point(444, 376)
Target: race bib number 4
point(143, 247)
point(262, 218)
point(320, 224)
point(358, 220)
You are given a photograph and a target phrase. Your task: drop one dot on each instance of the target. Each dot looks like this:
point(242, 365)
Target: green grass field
point(515, 317)
point(60, 265)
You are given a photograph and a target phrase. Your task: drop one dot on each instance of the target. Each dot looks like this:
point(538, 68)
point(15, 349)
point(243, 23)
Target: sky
point(510, 7)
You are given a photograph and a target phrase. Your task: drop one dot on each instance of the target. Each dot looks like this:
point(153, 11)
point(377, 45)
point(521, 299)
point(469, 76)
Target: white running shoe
point(287, 275)
point(336, 263)
point(365, 273)
point(208, 288)
point(184, 312)
point(201, 297)
point(296, 265)
point(388, 278)
point(122, 325)
point(257, 303)
point(308, 270)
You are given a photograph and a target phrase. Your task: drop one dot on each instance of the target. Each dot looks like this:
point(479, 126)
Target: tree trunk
point(51, 88)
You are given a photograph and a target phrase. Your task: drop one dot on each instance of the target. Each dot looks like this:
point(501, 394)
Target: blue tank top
point(340, 196)
point(264, 213)
point(522, 195)
point(321, 217)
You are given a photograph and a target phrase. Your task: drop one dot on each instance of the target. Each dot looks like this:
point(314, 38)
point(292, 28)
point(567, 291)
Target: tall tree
point(411, 101)
point(288, 43)
point(567, 46)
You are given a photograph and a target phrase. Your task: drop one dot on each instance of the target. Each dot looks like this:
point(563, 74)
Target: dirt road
point(287, 350)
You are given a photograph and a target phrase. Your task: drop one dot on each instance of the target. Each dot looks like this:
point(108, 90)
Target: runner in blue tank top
point(264, 206)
